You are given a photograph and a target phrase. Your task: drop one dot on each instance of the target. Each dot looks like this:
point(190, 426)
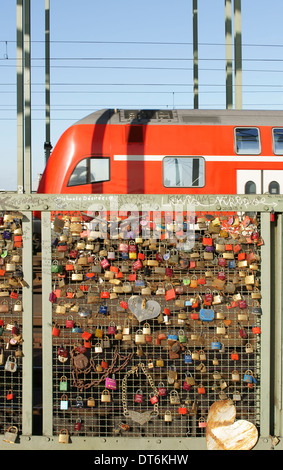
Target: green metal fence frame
point(271, 322)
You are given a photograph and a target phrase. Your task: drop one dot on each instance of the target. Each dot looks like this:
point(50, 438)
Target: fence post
point(47, 402)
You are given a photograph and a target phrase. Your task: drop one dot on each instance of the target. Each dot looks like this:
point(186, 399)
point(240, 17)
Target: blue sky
point(132, 55)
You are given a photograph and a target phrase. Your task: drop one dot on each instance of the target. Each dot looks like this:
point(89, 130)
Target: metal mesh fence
point(149, 331)
point(11, 311)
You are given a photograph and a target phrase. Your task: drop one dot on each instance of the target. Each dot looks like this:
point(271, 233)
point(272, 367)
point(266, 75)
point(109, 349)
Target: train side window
point(247, 141)
point(90, 170)
point(250, 187)
point(274, 187)
point(79, 175)
point(277, 138)
point(183, 172)
point(99, 170)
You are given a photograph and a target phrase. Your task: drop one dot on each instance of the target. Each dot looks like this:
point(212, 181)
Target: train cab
point(169, 151)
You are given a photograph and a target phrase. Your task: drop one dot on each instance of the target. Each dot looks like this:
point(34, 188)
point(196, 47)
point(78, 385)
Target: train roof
point(185, 117)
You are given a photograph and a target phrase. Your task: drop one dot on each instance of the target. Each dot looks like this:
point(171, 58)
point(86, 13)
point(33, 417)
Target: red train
point(169, 151)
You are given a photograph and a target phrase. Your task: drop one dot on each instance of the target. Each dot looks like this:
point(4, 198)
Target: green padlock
point(56, 267)
point(182, 337)
point(63, 383)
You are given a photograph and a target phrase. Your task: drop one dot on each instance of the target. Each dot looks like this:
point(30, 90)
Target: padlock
point(161, 389)
point(215, 345)
point(79, 402)
point(56, 330)
point(220, 330)
point(236, 395)
point(10, 395)
point(182, 337)
point(111, 328)
point(11, 364)
point(63, 436)
point(63, 384)
point(201, 389)
point(111, 383)
point(183, 410)
point(174, 397)
point(78, 425)
point(195, 355)
point(139, 337)
point(249, 348)
point(146, 329)
point(202, 423)
point(111, 253)
point(248, 377)
point(188, 357)
point(186, 385)
point(64, 403)
point(235, 376)
point(18, 306)
point(91, 402)
point(234, 356)
point(256, 329)
point(139, 396)
point(168, 416)
point(159, 362)
point(98, 348)
point(105, 396)
point(11, 435)
point(70, 322)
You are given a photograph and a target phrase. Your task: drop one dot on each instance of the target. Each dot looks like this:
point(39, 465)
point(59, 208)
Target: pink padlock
point(110, 383)
point(111, 328)
point(78, 425)
point(104, 263)
point(161, 389)
point(139, 396)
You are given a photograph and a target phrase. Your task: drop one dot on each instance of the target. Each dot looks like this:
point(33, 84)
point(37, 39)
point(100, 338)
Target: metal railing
point(187, 433)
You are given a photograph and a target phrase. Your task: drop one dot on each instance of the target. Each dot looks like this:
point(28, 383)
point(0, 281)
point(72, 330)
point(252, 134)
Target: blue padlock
point(215, 345)
point(103, 309)
point(172, 337)
point(248, 377)
point(188, 358)
point(188, 303)
point(231, 264)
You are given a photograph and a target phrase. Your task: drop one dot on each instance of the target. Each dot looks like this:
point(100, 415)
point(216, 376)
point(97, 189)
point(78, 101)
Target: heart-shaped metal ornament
point(140, 418)
point(143, 309)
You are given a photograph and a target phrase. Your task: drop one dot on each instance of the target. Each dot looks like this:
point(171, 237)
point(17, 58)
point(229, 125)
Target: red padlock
point(69, 322)
point(78, 425)
point(139, 396)
point(153, 399)
point(124, 304)
point(183, 410)
point(186, 386)
point(14, 295)
point(256, 330)
point(166, 311)
point(10, 395)
point(15, 329)
point(104, 364)
point(137, 265)
point(234, 356)
point(87, 344)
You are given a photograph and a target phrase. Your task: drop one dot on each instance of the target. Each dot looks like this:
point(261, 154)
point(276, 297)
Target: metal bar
point(20, 104)
point(100, 202)
point(277, 283)
point(195, 46)
point(47, 81)
point(27, 88)
point(238, 53)
point(265, 395)
point(27, 325)
point(229, 54)
point(46, 325)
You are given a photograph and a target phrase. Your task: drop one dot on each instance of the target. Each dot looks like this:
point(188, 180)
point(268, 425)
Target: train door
point(260, 181)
